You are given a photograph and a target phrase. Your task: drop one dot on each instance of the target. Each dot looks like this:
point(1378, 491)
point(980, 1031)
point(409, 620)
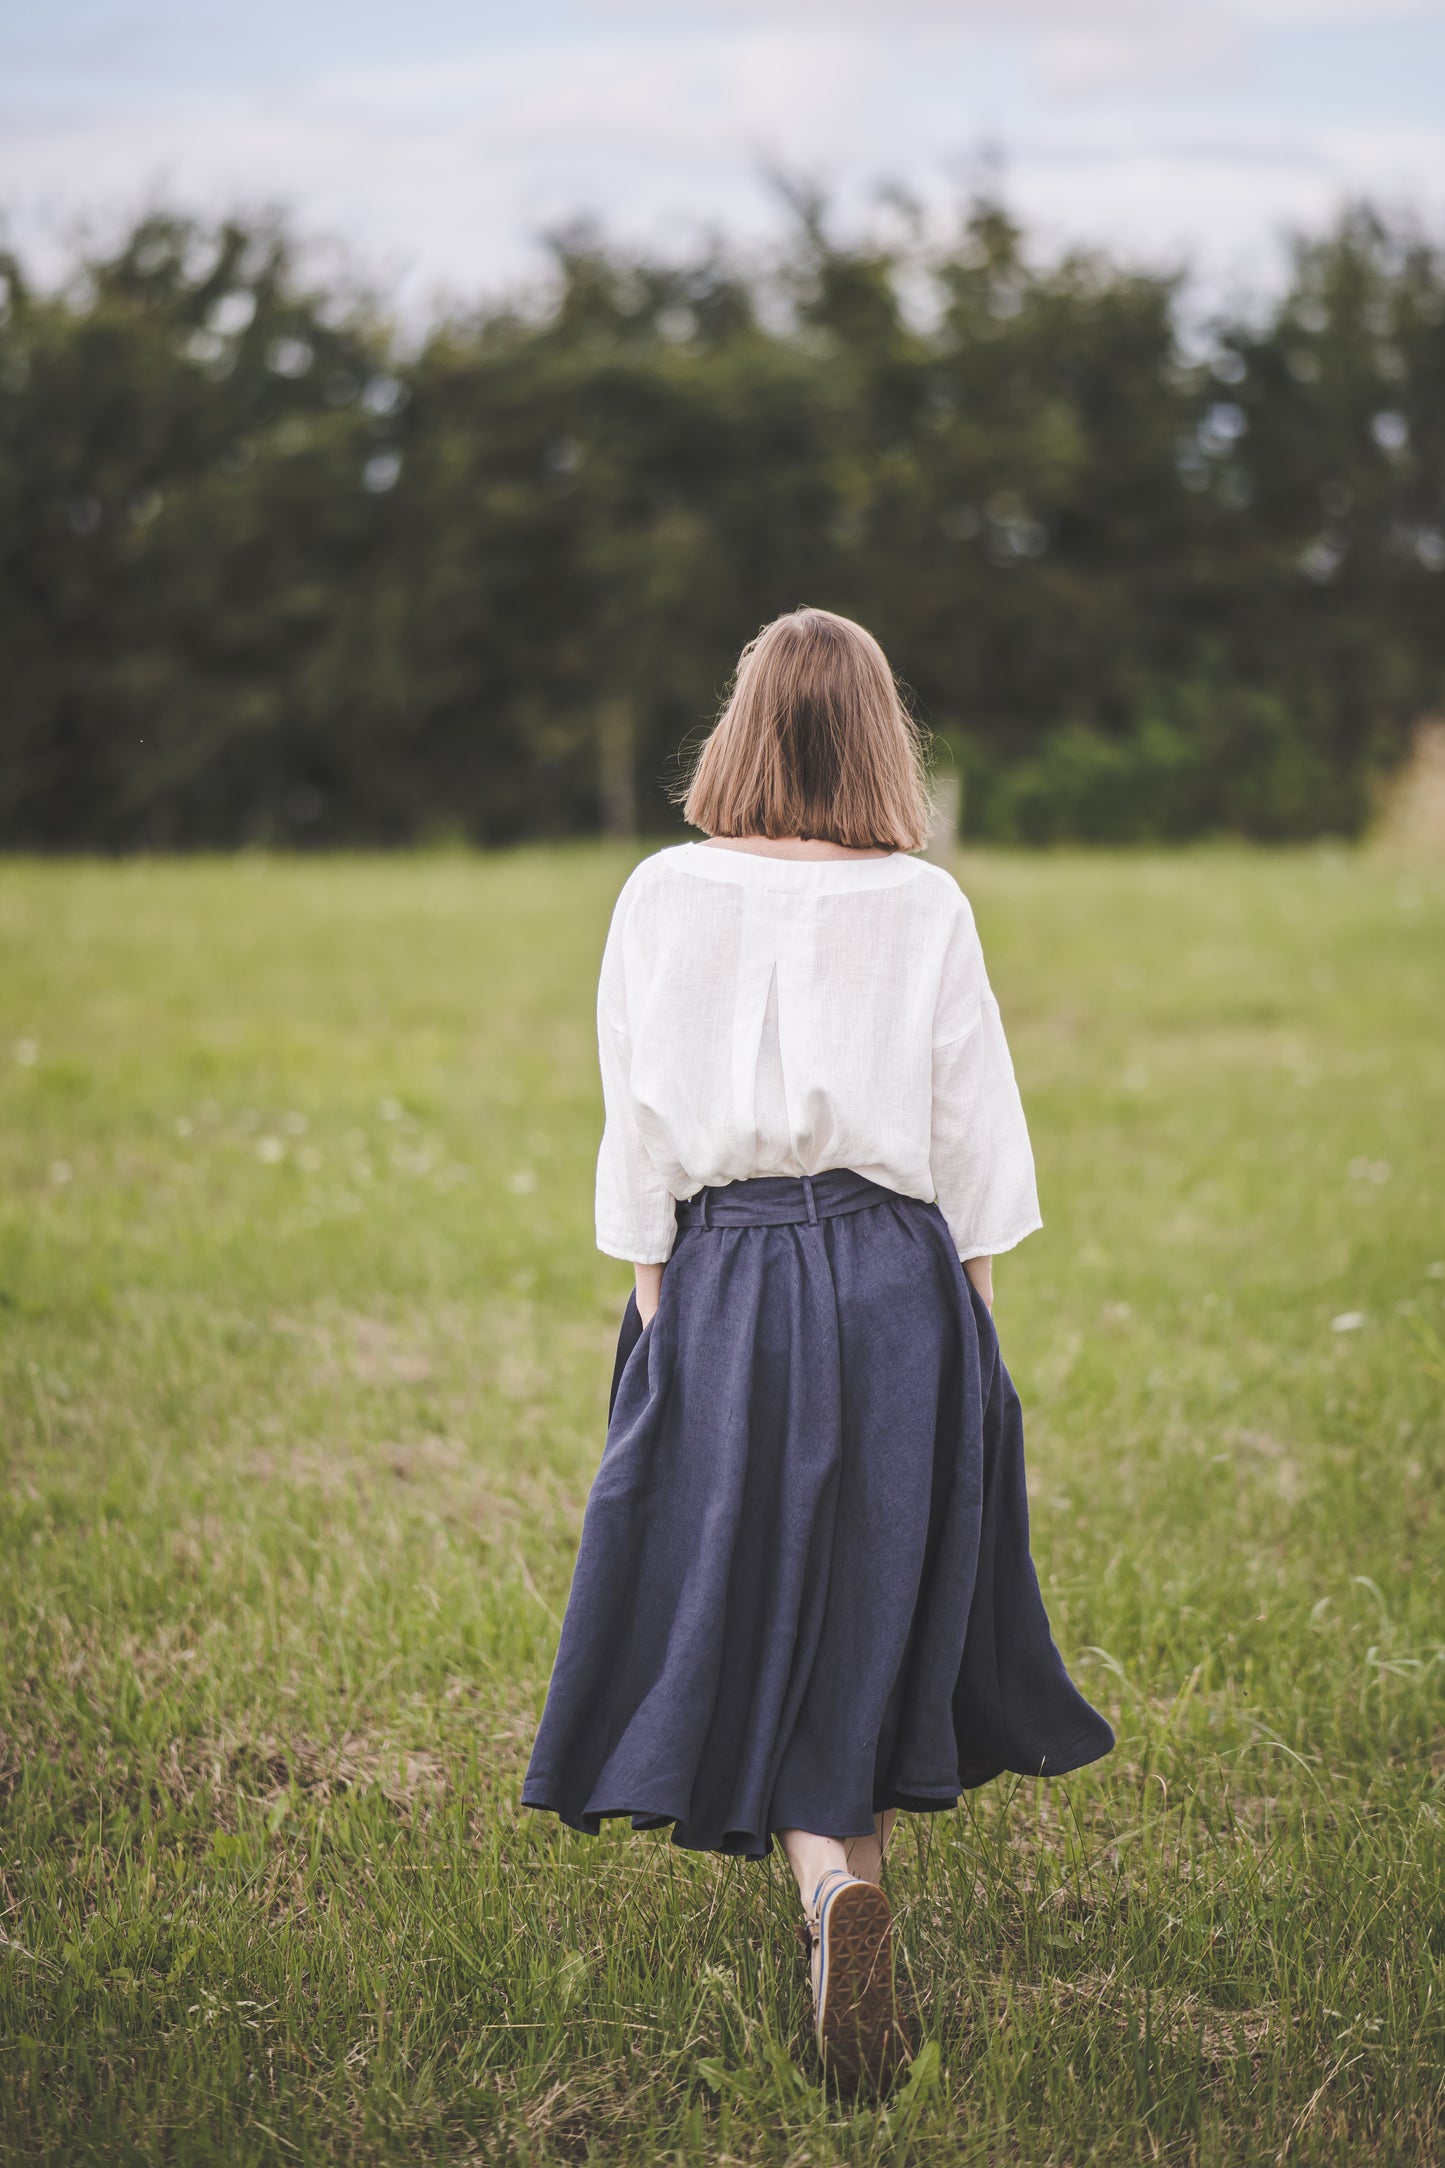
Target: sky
point(439, 142)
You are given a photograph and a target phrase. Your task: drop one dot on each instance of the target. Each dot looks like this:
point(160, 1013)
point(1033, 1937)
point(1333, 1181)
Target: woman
point(803, 1598)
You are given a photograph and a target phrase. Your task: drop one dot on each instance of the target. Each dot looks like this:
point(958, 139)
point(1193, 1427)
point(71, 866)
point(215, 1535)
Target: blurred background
point(405, 415)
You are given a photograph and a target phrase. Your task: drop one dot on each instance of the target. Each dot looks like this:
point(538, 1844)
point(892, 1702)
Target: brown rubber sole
point(860, 2036)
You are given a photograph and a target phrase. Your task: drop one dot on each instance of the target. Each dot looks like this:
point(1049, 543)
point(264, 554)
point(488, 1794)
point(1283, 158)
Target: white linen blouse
point(760, 1015)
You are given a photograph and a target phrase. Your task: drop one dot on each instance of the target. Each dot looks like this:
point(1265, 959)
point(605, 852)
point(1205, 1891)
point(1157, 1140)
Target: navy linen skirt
point(804, 1588)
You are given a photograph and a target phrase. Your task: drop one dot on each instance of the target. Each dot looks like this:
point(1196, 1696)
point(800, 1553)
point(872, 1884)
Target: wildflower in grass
point(1349, 1321)
point(270, 1151)
point(61, 1172)
point(27, 1052)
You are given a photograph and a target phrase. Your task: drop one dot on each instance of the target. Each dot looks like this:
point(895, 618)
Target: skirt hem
point(804, 1583)
point(751, 1844)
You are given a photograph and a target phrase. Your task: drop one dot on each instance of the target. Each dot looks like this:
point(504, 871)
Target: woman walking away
point(803, 1598)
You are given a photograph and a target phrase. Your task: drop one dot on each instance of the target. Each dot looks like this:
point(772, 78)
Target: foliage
point(267, 576)
point(304, 1354)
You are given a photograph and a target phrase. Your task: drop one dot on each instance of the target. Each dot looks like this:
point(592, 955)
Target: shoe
point(850, 1930)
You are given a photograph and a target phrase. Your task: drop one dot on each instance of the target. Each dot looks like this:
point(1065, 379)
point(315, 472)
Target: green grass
point(304, 1350)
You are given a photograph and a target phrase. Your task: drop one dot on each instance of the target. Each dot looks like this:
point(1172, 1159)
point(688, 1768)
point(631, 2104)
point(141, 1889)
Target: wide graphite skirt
point(804, 1588)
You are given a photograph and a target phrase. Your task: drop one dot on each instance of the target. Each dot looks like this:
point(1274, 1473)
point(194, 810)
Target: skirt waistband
point(781, 1200)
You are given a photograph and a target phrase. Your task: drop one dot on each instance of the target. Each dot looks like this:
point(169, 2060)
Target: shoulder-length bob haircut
point(813, 740)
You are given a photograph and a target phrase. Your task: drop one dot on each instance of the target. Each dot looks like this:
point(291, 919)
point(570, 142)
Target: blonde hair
point(813, 740)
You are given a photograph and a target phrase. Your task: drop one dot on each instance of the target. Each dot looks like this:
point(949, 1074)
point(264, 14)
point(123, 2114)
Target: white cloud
point(449, 173)
point(1102, 62)
point(1022, 17)
point(1317, 14)
point(1221, 203)
point(444, 174)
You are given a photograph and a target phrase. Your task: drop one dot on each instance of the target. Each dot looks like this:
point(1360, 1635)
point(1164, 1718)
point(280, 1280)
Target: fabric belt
point(782, 1200)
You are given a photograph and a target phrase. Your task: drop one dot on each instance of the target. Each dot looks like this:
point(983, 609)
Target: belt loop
point(812, 1208)
point(704, 1204)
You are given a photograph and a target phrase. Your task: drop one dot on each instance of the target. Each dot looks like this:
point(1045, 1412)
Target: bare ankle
point(865, 1859)
point(865, 1854)
point(811, 1857)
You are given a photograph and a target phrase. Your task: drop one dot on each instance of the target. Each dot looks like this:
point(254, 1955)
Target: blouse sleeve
point(636, 1219)
point(980, 1157)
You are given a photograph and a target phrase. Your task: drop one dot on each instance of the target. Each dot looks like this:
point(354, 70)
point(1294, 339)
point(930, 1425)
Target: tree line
point(269, 573)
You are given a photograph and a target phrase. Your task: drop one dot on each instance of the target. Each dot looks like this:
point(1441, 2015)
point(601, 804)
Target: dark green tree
point(264, 575)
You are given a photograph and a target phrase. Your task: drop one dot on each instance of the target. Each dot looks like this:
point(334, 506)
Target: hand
point(980, 1272)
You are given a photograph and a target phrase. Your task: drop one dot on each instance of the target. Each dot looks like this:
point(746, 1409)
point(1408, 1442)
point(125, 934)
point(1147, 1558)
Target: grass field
point(304, 1350)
